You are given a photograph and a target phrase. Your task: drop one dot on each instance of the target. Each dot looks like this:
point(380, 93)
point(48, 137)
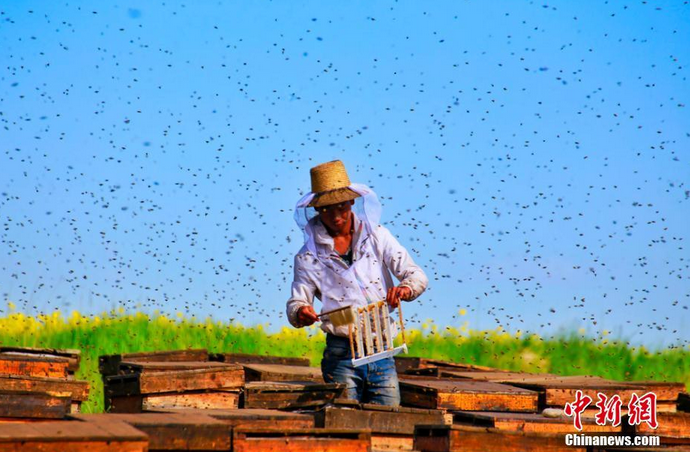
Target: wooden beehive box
point(405, 363)
point(461, 438)
point(466, 395)
point(289, 394)
point(75, 390)
point(73, 356)
point(109, 365)
point(152, 385)
point(241, 358)
point(528, 422)
point(392, 428)
point(254, 417)
point(72, 436)
point(28, 375)
point(378, 418)
point(172, 431)
point(30, 365)
point(300, 440)
point(673, 429)
point(281, 372)
point(556, 390)
point(33, 405)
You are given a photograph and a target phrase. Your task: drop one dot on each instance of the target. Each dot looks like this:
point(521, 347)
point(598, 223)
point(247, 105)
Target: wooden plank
point(74, 389)
point(403, 363)
point(300, 440)
point(109, 364)
point(75, 446)
point(559, 391)
point(665, 391)
point(24, 420)
point(385, 420)
point(241, 358)
point(528, 422)
point(452, 438)
point(386, 442)
point(203, 400)
point(671, 425)
point(282, 395)
point(73, 355)
point(33, 365)
point(495, 376)
point(466, 395)
point(253, 418)
point(185, 380)
point(219, 399)
point(72, 436)
point(230, 377)
point(281, 372)
point(133, 367)
point(15, 404)
point(173, 431)
point(661, 407)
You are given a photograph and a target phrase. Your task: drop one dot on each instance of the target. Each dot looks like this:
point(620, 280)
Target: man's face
point(336, 217)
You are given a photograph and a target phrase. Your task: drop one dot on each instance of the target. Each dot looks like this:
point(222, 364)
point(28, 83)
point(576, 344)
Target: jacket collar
point(324, 242)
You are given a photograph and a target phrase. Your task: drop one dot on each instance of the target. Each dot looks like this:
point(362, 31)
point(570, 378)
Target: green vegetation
point(120, 332)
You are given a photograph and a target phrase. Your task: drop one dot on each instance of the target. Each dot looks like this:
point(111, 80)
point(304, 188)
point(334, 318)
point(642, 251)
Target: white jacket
point(328, 278)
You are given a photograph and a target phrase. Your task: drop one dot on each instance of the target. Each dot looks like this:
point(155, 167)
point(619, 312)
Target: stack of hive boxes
point(497, 410)
point(169, 379)
point(39, 383)
point(193, 400)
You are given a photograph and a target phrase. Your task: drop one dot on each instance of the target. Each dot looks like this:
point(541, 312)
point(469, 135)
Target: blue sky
point(532, 156)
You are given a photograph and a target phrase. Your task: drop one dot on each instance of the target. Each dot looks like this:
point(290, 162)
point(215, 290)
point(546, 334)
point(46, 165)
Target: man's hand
point(307, 316)
point(395, 294)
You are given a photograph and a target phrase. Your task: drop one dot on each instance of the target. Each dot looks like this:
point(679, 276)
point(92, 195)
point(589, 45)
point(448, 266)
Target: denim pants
point(375, 383)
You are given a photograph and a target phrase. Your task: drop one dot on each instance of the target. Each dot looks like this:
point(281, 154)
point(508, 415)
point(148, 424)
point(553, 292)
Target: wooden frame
point(371, 338)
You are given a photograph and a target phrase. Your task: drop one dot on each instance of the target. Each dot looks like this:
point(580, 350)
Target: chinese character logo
point(640, 409)
point(609, 410)
point(576, 408)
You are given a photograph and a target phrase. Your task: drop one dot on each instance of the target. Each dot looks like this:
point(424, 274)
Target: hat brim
point(333, 197)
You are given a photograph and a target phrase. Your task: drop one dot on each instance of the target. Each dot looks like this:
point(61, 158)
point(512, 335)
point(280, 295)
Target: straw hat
point(329, 183)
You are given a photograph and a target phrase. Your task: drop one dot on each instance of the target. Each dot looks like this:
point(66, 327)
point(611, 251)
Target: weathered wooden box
point(466, 395)
point(300, 440)
point(460, 438)
point(72, 436)
point(289, 394)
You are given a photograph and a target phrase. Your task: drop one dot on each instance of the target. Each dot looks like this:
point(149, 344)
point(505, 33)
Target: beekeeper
point(347, 259)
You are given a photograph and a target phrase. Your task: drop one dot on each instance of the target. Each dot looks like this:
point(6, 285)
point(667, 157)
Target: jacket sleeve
point(303, 291)
point(400, 263)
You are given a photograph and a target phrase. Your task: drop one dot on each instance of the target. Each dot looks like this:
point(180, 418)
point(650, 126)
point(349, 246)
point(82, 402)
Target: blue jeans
point(375, 383)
